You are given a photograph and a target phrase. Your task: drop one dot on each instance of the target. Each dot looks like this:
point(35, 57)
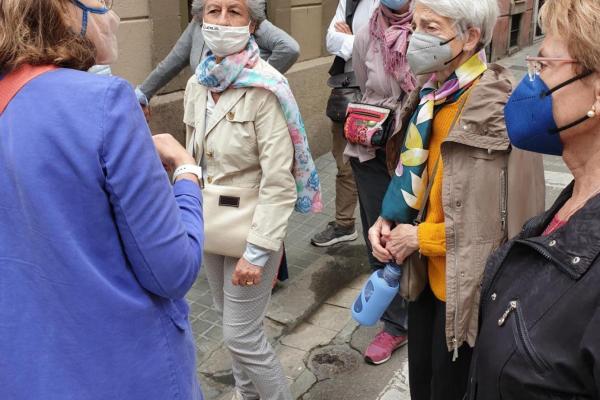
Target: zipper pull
point(511, 307)
point(455, 345)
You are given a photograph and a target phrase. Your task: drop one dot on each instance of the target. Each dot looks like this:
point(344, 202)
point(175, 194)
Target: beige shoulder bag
point(228, 214)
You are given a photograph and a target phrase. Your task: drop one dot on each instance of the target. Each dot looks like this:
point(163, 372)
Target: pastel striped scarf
point(236, 71)
point(404, 196)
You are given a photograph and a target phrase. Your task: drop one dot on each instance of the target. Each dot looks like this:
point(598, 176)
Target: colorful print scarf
point(392, 31)
point(236, 71)
point(405, 193)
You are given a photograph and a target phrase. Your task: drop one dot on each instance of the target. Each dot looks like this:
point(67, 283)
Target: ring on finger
point(249, 283)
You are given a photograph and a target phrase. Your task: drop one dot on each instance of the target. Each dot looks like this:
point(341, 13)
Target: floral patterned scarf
point(405, 193)
point(236, 71)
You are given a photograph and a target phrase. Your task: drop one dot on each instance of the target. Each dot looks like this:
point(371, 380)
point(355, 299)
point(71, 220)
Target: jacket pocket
point(522, 338)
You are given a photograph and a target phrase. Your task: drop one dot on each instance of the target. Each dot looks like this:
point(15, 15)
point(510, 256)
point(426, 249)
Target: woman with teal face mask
point(540, 321)
point(453, 165)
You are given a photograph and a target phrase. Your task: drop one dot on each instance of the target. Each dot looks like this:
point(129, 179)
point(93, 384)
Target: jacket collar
point(482, 122)
point(573, 247)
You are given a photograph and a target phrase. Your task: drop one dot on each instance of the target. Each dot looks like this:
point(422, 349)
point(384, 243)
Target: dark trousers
point(432, 373)
point(372, 180)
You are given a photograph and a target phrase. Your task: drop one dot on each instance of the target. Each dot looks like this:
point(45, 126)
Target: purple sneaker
point(383, 345)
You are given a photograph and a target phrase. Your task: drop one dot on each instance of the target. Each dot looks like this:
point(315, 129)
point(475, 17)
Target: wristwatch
point(188, 169)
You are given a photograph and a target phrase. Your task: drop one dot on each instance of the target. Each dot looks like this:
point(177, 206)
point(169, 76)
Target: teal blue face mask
point(394, 5)
point(86, 10)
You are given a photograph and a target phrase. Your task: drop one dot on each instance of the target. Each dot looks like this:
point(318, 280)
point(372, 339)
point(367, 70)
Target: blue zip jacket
point(97, 250)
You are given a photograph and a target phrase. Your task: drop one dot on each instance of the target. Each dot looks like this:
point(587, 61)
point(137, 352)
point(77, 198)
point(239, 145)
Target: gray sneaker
point(334, 234)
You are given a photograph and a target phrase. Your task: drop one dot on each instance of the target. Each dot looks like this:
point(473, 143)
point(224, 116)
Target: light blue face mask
point(394, 5)
point(86, 10)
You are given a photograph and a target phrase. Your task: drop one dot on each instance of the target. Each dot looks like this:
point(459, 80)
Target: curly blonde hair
point(576, 22)
point(39, 32)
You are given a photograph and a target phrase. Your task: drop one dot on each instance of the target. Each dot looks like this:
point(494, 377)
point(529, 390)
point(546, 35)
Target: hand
point(147, 112)
point(343, 27)
point(246, 274)
point(172, 154)
point(379, 234)
point(403, 241)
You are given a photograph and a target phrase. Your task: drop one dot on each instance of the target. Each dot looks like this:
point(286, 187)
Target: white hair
point(481, 14)
point(257, 9)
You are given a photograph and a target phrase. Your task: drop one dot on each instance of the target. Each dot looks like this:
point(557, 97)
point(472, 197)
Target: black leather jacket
point(540, 312)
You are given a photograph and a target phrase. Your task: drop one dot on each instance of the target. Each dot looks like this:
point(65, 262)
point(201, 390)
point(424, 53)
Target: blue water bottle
point(377, 295)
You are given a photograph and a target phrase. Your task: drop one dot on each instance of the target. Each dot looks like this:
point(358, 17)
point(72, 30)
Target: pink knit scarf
point(392, 31)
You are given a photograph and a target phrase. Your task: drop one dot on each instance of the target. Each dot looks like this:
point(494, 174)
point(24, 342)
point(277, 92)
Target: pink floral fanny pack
point(367, 125)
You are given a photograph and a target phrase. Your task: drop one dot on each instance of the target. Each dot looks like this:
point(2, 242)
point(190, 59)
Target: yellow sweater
point(432, 232)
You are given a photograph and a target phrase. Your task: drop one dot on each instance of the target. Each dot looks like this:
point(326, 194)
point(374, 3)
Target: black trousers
point(372, 180)
point(432, 373)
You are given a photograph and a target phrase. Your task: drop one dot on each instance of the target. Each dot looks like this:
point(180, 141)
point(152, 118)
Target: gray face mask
point(428, 53)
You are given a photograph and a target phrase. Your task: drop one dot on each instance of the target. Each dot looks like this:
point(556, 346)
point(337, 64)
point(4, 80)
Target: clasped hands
point(393, 243)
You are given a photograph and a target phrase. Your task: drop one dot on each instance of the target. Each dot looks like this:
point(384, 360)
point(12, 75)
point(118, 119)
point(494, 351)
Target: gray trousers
point(257, 371)
point(372, 180)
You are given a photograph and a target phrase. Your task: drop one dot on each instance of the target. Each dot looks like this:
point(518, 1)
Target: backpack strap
point(14, 81)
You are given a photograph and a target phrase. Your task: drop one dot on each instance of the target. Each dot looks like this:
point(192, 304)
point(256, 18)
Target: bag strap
point(421, 214)
point(14, 81)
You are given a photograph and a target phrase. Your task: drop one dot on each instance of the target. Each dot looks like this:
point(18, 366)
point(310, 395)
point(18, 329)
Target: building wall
point(512, 11)
point(150, 28)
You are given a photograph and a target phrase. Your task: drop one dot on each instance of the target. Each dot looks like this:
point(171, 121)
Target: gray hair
point(481, 14)
point(256, 7)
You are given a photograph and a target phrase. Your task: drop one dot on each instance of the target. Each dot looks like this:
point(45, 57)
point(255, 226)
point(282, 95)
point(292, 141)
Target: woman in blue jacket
point(97, 251)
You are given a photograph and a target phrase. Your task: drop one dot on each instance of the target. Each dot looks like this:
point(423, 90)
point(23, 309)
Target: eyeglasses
point(535, 65)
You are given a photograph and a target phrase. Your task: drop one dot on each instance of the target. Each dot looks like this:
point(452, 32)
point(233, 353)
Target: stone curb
point(293, 304)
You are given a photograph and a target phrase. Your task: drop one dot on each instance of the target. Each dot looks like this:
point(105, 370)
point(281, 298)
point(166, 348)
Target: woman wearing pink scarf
point(382, 71)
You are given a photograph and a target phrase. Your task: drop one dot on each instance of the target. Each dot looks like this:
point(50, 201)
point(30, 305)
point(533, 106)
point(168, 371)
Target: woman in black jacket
point(540, 306)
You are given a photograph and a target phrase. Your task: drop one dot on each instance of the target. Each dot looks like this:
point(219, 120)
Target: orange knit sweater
point(432, 232)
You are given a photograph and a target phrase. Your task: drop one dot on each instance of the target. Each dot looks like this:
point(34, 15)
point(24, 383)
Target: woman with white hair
point(245, 130)
point(455, 167)
point(276, 47)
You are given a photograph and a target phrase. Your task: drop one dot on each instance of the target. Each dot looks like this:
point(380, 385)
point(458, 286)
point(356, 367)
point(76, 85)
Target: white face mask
point(102, 31)
point(225, 40)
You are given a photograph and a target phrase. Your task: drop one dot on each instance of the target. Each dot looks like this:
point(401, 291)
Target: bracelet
point(188, 169)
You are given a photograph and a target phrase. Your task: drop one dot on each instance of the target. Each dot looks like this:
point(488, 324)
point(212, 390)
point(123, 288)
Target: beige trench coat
point(247, 145)
point(489, 190)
